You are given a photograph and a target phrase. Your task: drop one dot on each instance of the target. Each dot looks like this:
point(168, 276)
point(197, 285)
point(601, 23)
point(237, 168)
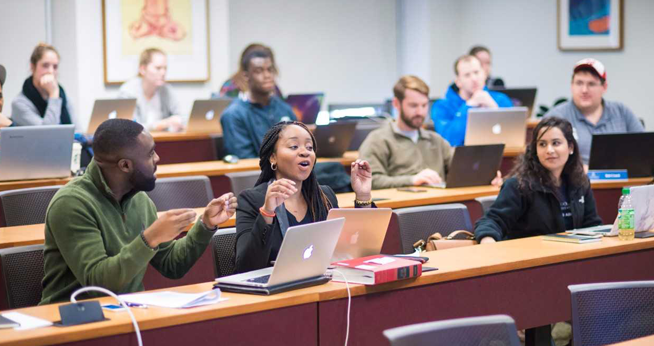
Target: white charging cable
point(122, 303)
point(349, 303)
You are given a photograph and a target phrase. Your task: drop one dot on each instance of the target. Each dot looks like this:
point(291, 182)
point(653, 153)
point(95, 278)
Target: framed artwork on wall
point(177, 27)
point(590, 24)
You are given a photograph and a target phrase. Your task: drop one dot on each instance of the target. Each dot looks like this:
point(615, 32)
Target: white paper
point(168, 299)
point(365, 267)
point(26, 321)
point(381, 260)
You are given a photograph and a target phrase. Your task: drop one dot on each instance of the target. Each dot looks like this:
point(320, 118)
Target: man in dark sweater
point(102, 230)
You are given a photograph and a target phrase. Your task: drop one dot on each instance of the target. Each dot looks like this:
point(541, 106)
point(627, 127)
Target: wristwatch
point(358, 203)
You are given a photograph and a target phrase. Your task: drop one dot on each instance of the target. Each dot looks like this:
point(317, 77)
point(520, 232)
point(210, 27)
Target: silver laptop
point(363, 233)
point(110, 109)
point(506, 126)
point(642, 199)
point(205, 116)
point(36, 152)
point(305, 253)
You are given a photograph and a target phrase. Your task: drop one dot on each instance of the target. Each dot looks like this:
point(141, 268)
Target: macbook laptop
point(334, 139)
point(642, 199)
point(494, 126)
point(205, 116)
point(630, 151)
point(521, 97)
point(363, 233)
point(36, 152)
point(302, 260)
point(306, 106)
point(473, 165)
point(110, 109)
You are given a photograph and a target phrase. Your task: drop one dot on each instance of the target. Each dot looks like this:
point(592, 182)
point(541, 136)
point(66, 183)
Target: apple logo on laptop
point(331, 139)
point(308, 252)
point(354, 238)
point(113, 115)
point(475, 166)
point(209, 115)
point(497, 129)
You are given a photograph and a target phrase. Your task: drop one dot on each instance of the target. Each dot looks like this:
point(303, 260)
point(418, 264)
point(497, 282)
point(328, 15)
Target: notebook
point(110, 109)
point(36, 152)
point(506, 126)
point(334, 139)
point(302, 260)
point(473, 165)
point(363, 233)
point(618, 151)
point(306, 106)
point(205, 116)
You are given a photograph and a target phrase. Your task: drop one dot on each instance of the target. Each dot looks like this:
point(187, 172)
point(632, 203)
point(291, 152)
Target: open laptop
point(642, 199)
point(363, 233)
point(36, 152)
point(521, 97)
point(205, 116)
point(302, 260)
point(493, 126)
point(630, 151)
point(474, 165)
point(306, 106)
point(110, 109)
point(334, 139)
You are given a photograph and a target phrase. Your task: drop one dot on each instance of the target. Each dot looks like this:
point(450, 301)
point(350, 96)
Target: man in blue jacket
point(246, 121)
point(450, 114)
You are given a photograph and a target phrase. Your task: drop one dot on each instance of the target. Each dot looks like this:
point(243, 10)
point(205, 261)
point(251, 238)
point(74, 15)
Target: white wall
point(345, 48)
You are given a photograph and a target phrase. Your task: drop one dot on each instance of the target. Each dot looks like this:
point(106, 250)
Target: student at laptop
point(157, 107)
point(547, 192)
point(287, 194)
point(237, 85)
point(246, 121)
point(484, 55)
point(102, 230)
point(4, 121)
point(42, 101)
point(450, 114)
point(588, 112)
point(402, 153)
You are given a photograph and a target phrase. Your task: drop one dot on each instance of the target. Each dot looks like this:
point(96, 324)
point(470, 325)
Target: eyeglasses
point(589, 85)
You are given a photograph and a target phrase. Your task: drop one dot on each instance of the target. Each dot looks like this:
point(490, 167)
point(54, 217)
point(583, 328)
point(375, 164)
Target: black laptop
point(630, 151)
point(306, 106)
point(334, 139)
point(473, 165)
point(521, 97)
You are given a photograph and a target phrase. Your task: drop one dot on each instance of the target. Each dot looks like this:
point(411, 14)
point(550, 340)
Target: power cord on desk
point(349, 303)
point(122, 303)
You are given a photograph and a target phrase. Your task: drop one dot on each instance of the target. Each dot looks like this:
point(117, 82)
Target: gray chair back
point(181, 192)
point(420, 222)
point(608, 313)
point(242, 180)
point(26, 206)
point(22, 273)
point(494, 330)
point(223, 244)
point(486, 202)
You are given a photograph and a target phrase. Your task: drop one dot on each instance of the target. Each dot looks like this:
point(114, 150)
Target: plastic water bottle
point(626, 219)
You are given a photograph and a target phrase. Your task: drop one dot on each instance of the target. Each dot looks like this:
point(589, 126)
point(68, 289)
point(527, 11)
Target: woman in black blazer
point(287, 194)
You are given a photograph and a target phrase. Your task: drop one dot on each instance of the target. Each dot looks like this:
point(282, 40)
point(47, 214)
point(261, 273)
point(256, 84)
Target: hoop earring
point(273, 166)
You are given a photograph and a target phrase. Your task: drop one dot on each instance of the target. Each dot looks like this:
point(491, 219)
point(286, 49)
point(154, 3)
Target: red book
point(376, 269)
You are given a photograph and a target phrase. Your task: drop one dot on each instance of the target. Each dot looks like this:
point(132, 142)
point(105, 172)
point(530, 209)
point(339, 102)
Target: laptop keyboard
point(259, 279)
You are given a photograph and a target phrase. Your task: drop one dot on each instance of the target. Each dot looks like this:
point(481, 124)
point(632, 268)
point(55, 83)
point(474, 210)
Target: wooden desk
point(526, 279)
point(186, 147)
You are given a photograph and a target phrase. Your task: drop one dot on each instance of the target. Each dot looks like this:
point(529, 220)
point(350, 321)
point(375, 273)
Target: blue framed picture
point(590, 24)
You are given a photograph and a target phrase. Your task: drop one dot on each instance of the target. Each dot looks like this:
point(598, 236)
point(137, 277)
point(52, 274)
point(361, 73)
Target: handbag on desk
point(437, 242)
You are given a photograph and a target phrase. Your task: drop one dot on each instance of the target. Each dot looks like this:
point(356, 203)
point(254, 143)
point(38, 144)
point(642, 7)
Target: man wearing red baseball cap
point(4, 121)
point(589, 112)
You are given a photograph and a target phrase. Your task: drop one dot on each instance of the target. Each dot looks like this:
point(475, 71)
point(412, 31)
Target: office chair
point(181, 192)
point(496, 330)
point(22, 273)
point(26, 206)
point(223, 244)
point(420, 222)
point(607, 313)
point(242, 180)
point(486, 202)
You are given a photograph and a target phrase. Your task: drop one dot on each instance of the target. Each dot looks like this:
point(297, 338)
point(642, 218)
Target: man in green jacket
point(102, 230)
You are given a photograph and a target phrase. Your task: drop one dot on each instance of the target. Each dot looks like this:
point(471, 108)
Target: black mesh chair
point(496, 330)
point(420, 222)
point(242, 180)
point(607, 313)
point(22, 273)
point(26, 206)
point(486, 202)
point(181, 192)
point(223, 245)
